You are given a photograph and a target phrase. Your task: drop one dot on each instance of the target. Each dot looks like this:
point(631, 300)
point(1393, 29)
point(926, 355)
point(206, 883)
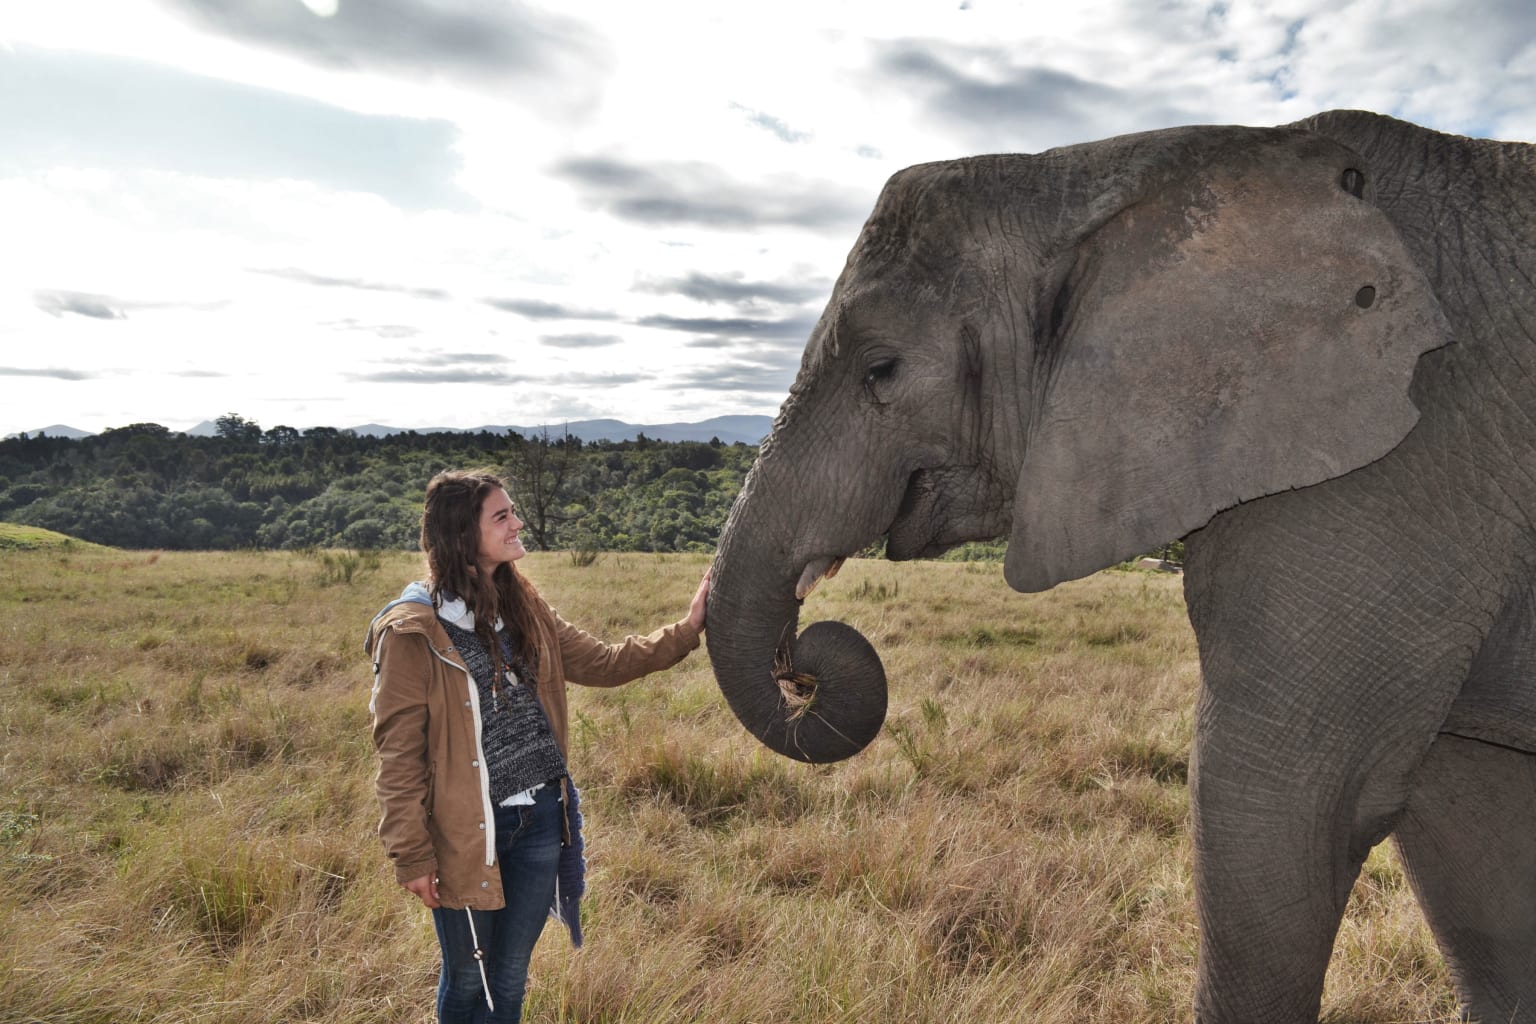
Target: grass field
point(187, 818)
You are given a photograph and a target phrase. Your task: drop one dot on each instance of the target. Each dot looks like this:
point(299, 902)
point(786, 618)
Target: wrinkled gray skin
point(1240, 335)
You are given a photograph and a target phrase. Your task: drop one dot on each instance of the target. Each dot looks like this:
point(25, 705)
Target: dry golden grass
point(187, 820)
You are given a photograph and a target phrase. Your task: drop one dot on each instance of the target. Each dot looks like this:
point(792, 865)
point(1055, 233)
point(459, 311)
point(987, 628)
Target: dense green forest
point(143, 486)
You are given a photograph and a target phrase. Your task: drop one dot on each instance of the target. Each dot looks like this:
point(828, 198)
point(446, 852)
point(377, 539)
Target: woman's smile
point(499, 531)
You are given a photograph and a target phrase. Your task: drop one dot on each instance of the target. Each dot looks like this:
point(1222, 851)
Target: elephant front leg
point(1325, 674)
point(1275, 859)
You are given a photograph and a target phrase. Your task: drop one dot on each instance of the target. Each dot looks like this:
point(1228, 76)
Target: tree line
point(144, 486)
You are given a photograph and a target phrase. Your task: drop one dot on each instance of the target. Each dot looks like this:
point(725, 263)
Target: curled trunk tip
point(831, 695)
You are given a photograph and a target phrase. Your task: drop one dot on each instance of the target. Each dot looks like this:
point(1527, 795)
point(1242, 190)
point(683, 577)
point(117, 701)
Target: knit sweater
point(520, 748)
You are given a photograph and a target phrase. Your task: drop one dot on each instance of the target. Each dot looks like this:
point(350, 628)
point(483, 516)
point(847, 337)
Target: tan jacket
point(433, 787)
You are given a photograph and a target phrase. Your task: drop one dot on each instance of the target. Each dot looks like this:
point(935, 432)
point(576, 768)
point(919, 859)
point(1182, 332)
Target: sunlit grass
point(187, 819)
point(16, 537)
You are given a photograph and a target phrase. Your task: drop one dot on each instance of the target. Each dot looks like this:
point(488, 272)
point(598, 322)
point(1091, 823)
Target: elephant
point(1307, 350)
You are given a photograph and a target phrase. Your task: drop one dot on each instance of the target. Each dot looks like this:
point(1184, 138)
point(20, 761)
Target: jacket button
point(485, 885)
point(466, 703)
point(482, 826)
point(474, 764)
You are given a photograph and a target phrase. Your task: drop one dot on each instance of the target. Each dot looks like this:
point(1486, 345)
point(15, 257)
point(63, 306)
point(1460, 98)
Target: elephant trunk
point(817, 697)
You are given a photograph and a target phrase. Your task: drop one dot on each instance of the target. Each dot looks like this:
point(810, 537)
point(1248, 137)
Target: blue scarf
point(571, 877)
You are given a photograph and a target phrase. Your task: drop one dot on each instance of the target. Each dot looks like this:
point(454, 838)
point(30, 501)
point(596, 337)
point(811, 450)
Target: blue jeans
point(528, 852)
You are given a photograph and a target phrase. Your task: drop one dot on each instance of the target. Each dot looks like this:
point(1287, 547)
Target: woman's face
point(499, 527)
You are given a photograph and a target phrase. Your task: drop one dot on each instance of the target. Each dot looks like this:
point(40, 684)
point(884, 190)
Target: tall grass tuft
point(344, 566)
point(187, 819)
point(585, 551)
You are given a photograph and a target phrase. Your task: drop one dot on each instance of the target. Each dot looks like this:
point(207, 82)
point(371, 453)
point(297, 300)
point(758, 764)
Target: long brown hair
point(450, 538)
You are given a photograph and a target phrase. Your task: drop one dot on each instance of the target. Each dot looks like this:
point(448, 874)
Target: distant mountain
point(729, 429)
point(60, 430)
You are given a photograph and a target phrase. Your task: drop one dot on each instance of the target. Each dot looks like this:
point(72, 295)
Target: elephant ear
point(1243, 328)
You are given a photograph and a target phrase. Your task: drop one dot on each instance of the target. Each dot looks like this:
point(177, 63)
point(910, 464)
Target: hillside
point(16, 537)
point(143, 486)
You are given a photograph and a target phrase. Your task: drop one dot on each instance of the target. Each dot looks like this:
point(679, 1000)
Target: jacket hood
point(415, 592)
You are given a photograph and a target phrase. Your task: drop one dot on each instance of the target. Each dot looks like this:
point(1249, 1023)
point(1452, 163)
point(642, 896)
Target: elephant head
point(1090, 351)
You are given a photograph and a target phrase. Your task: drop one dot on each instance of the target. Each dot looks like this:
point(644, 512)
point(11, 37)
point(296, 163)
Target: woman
point(479, 816)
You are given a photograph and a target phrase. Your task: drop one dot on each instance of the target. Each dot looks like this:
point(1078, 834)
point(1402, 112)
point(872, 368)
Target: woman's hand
point(700, 599)
point(426, 888)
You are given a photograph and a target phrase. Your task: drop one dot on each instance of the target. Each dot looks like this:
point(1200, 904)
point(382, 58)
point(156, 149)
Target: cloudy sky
point(464, 212)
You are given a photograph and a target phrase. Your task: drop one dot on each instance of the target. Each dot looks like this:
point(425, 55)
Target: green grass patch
point(16, 537)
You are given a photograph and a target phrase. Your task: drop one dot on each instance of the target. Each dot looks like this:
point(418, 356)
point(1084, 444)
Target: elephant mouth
point(919, 527)
point(904, 538)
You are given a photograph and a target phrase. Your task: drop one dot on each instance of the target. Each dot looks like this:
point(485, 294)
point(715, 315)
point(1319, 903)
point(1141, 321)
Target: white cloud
point(635, 205)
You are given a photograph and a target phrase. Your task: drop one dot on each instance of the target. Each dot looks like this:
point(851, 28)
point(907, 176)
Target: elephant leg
point(1468, 840)
point(1275, 860)
point(1328, 662)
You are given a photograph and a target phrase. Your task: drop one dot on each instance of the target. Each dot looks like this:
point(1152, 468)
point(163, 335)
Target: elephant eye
point(1353, 182)
point(877, 376)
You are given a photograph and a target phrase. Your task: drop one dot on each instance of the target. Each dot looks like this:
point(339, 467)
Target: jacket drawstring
point(485, 982)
